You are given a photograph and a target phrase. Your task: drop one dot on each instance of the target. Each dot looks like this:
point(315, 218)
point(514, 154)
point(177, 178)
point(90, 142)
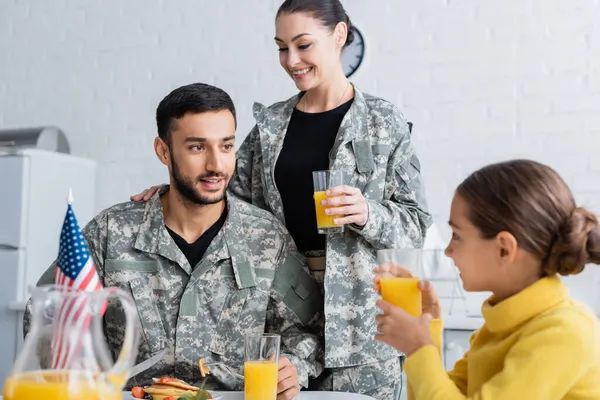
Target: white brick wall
point(481, 80)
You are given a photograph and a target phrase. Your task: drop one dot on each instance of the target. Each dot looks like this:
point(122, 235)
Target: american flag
point(75, 271)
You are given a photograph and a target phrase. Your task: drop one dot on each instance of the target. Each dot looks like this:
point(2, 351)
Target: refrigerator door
point(13, 181)
point(12, 270)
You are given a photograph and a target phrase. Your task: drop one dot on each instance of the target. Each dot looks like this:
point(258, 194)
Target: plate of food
point(167, 388)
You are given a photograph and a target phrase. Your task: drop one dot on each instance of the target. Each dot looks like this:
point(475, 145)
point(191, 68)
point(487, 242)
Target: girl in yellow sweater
point(515, 228)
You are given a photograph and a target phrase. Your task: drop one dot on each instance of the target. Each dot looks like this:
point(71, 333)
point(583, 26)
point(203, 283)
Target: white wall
point(481, 80)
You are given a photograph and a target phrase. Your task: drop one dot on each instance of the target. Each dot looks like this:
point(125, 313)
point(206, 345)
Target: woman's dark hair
point(533, 203)
point(329, 12)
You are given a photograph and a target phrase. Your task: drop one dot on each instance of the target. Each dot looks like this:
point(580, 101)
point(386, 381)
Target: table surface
point(303, 396)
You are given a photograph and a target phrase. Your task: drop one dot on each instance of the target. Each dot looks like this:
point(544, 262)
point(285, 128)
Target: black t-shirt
point(195, 251)
point(308, 141)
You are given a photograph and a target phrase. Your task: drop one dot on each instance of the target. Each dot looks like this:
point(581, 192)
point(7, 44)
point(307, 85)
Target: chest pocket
point(243, 308)
point(381, 154)
point(371, 164)
point(138, 278)
point(363, 154)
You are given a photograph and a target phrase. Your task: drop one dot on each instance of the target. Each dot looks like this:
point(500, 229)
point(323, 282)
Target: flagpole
point(74, 273)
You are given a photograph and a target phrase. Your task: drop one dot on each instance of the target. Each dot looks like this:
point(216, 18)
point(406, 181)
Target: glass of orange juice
point(323, 180)
point(261, 366)
point(402, 291)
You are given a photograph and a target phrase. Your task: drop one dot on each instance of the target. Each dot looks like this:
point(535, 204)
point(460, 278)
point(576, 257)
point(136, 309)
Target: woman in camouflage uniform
point(331, 124)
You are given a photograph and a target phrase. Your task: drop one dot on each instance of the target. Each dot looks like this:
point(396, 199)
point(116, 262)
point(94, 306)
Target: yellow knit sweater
point(536, 345)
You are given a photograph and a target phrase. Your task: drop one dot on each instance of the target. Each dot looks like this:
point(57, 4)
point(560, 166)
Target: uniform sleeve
point(563, 353)
point(295, 312)
point(402, 219)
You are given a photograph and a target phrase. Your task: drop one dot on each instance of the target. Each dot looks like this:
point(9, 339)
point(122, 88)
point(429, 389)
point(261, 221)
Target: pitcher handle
point(129, 348)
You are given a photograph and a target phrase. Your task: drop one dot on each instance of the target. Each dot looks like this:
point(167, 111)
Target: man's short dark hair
point(194, 98)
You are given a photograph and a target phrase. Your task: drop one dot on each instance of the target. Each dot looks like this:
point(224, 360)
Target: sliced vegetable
point(138, 392)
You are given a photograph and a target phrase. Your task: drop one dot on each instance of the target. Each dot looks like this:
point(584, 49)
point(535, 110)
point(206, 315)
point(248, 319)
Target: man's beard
point(187, 188)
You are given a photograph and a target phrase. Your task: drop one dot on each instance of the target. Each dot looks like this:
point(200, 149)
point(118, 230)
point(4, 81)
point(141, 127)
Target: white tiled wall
point(481, 80)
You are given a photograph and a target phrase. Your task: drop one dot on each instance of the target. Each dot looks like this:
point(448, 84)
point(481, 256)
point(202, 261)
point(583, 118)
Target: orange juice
point(58, 385)
point(260, 380)
point(323, 220)
point(436, 330)
point(402, 292)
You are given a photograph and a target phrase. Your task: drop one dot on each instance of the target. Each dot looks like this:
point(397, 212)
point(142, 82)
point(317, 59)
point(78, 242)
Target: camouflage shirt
point(250, 280)
point(374, 150)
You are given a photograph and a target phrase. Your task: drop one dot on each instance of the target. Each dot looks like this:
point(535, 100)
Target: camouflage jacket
point(374, 151)
point(250, 280)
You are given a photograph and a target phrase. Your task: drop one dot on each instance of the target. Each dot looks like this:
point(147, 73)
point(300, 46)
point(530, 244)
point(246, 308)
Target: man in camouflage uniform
point(196, 296)
point(373, 149)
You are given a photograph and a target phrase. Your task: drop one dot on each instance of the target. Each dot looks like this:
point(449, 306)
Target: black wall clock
point(353, 54)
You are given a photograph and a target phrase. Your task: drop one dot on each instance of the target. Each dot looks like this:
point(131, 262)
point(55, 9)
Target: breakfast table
point(302, 396)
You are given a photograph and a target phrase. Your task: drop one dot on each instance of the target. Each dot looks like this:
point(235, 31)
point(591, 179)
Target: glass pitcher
point(65, 355)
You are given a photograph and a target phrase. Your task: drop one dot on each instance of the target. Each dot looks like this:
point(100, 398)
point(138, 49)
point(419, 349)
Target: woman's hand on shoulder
point(145, 194)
